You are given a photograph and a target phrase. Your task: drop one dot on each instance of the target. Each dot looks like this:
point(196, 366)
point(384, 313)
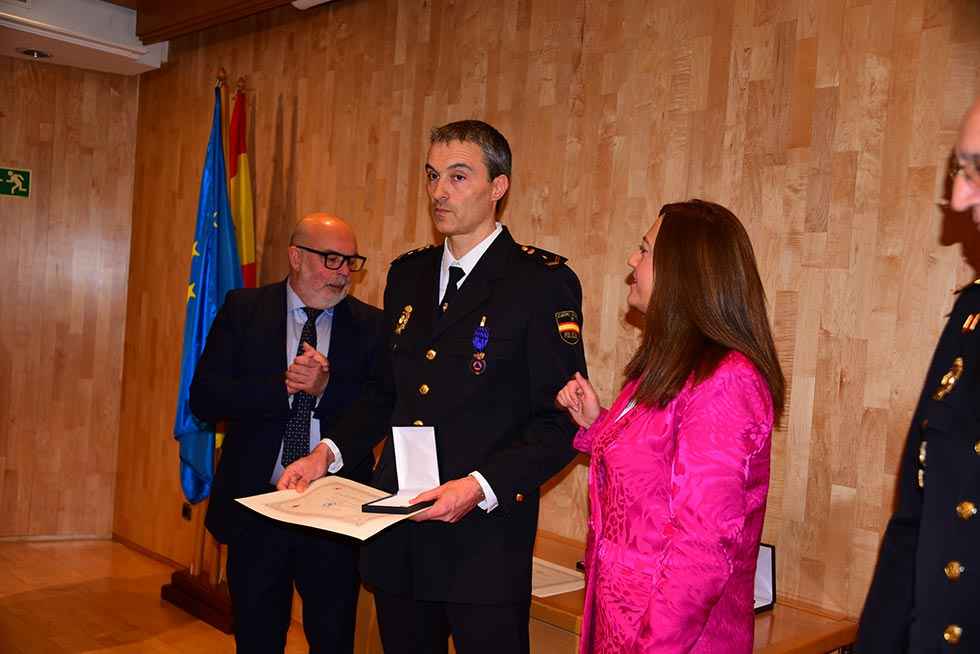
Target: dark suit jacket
point(918, 591)
point(239, 379)
point(503, 423)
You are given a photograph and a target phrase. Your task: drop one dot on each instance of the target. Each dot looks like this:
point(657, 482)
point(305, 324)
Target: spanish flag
point(240, 190)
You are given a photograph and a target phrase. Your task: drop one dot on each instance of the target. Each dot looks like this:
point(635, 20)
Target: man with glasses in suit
point(282, 363)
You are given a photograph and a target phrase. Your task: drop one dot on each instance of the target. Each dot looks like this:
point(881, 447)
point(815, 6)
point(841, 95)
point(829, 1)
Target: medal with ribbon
point(481, 336)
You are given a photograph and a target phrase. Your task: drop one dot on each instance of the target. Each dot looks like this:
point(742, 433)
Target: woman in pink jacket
point(680, 462)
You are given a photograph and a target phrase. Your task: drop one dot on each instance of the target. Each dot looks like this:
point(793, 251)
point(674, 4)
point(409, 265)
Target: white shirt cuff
point(338, 461)
point(489, 502)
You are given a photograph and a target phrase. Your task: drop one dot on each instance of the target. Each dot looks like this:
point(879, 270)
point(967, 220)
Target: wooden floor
point(97, 596)
point(100, 596)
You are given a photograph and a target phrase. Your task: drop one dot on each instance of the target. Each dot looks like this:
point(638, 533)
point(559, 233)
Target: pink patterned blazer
point(677, 497)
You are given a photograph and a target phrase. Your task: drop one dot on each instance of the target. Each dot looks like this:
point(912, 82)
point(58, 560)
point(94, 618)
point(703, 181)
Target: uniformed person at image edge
point(482, 333)
point(925, 596)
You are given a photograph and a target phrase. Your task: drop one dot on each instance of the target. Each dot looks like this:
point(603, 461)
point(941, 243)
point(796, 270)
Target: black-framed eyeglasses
point(334, 260)
point(969, 170)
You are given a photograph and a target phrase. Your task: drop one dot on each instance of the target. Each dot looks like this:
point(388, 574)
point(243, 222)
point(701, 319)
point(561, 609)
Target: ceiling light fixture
point(33, 54)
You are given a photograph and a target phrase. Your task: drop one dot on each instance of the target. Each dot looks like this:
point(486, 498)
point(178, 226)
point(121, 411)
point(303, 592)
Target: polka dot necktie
point(296, 440)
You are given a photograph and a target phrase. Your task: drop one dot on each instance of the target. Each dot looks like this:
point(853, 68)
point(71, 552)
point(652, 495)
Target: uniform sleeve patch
point(568, 327)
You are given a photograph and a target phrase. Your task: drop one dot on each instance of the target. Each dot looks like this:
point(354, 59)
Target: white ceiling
point(88, 34)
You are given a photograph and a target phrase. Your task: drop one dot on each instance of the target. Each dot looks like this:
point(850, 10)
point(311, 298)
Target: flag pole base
point(196, 595)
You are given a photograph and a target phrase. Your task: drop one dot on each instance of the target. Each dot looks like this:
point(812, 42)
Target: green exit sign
point(15, 182)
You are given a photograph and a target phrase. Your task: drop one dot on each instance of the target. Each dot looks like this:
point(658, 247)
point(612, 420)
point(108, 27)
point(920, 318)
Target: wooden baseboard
point(812, 607)
point(43, 538)
point(195, 595)
point(150, 554)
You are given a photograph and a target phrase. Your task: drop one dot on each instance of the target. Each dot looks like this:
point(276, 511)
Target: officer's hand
point(301, 472)
point(454, 499)
point(309, 372)
point(580, 400)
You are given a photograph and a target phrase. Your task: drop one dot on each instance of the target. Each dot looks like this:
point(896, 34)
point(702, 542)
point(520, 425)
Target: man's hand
point(309, 372)
point(454, 499)
point(311, 467)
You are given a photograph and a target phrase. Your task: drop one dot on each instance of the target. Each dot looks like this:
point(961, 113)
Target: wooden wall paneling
point(167, 180)
point(825, 126)
point(65, 255)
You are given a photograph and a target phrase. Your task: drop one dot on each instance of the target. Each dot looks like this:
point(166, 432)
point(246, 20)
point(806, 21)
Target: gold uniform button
point(921, 480)
point(966, 510)
point(430, 355)
point(952, 634)
point(417, 423)
point(953, 570)
point(519, 498)
point(424, 389)
point(976, 447)
point(922, 452)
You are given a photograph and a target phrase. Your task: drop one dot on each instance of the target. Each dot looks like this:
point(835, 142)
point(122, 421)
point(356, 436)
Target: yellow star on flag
point(194, 252)
point(190, 291)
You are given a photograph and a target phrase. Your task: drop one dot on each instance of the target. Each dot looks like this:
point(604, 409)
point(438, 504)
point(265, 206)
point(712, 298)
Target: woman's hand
point(580, 400)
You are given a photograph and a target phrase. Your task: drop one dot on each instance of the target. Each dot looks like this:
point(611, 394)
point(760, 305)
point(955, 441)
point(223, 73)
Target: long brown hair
point(707, 300)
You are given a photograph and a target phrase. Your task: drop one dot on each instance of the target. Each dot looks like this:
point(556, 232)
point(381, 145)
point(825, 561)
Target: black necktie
point(296, 440)
point(455, 274)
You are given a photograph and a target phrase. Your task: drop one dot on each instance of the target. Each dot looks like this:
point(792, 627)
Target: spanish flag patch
point(568, 327)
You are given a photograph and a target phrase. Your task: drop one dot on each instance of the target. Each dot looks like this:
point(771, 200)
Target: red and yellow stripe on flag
point(240, 190)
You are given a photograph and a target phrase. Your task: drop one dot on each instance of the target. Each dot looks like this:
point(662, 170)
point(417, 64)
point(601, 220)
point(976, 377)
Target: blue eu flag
point(215, 270)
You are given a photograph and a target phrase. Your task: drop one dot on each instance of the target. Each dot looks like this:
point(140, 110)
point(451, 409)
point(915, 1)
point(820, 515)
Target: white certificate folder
point(765, 578)
point(418, 470)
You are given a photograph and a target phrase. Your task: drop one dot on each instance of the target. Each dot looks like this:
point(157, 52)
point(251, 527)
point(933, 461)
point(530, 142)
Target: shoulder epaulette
point(543, 257)
point(412, 253)
point(975, 284)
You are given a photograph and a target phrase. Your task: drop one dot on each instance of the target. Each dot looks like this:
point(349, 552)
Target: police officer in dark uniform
point(925, 596)
point(482, 333)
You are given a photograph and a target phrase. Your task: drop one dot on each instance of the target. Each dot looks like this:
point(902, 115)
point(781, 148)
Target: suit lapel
point(271, 321)
point(478, 285)
point(343, 359)
point(341, 354)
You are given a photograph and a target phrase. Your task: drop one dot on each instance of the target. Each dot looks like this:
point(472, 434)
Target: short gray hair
point(496, 150)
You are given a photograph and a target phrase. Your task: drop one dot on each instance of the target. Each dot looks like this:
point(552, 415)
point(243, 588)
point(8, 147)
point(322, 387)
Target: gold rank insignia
point(412, 253)
point(549, 259)
point(949, 379)
point(970, 323)
point(403, 319)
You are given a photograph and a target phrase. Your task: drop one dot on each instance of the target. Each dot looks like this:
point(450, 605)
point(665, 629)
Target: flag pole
point(215, 269)
point(197, 565)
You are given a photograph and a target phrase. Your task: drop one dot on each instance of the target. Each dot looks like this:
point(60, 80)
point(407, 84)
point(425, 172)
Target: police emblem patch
point(568, 327)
